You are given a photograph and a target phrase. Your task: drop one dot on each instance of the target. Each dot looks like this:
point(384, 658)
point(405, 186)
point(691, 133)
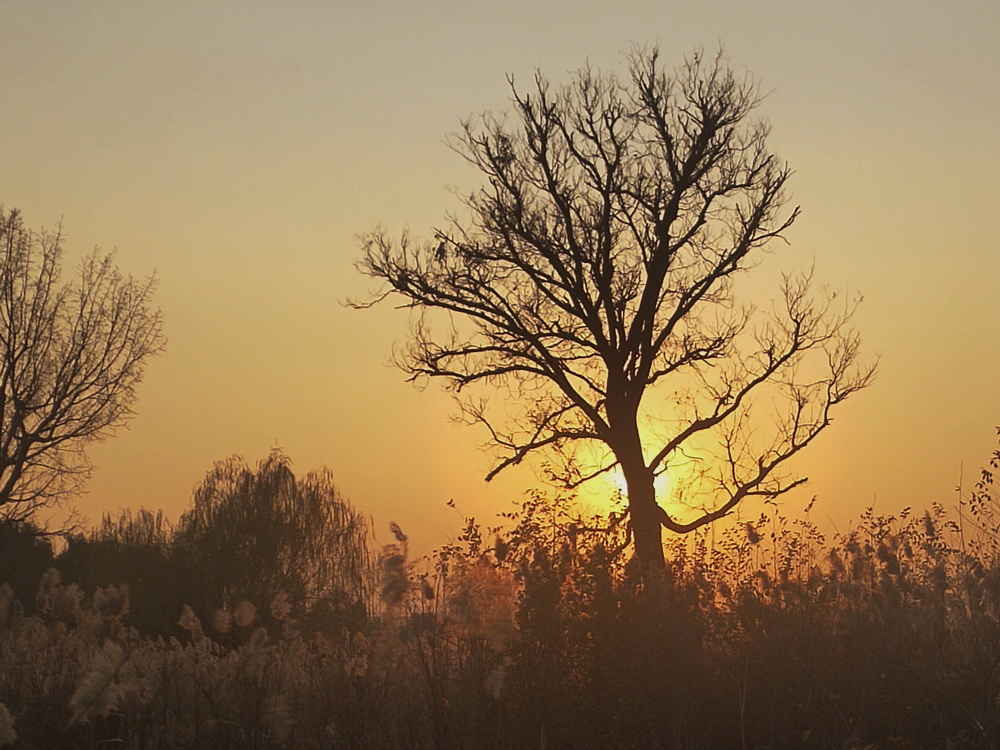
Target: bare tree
point(593, 287)
point(71, 358)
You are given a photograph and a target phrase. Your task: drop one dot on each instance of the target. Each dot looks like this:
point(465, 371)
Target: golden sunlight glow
point(609, 491)
point(273, 130)
point(615, 485)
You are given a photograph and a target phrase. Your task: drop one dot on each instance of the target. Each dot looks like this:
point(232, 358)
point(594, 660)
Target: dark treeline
point(261, 620)
point(249, 534)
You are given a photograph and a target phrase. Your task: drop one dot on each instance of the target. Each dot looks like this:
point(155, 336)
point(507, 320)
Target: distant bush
point(25, 554)
point(251, 533)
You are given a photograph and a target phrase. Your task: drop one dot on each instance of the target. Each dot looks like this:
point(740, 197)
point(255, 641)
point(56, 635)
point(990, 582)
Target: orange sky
point(239, 147)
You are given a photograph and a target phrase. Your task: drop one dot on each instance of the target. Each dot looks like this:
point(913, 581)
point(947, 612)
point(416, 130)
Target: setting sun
point(615, 488)
point(609, 490)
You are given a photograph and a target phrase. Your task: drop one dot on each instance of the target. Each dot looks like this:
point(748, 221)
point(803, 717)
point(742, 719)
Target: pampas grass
point(7, 734)
point(887, 636)
point(98, 692)
point(395, 582)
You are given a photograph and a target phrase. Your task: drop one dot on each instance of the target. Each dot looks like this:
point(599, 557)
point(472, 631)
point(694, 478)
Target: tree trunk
point(645, 516)
point(643, 512)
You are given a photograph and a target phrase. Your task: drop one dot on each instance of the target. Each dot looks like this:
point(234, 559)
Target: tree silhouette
point(593, 288)
point(71, 358)
point(131, 549)
point(253, 533)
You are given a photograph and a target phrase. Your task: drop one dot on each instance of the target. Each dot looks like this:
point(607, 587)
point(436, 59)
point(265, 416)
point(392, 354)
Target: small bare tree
point(594, 286)
point(71, 358)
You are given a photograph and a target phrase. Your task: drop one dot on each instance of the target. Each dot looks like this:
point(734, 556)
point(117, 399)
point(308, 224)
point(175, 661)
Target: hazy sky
point(239, 148)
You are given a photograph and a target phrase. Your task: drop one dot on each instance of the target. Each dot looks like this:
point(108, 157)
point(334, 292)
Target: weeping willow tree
point(590, 290)
point(252, 533)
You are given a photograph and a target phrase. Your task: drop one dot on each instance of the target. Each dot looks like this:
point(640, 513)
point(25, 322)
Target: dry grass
point(761, 635)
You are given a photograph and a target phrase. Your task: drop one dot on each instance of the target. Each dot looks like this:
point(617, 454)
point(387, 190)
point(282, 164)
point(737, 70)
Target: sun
point(615, 483)
point(609, 491)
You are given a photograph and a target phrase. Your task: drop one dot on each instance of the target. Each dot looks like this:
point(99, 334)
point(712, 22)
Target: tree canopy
point(71, 358)
point(592, 285)
point(252, 533)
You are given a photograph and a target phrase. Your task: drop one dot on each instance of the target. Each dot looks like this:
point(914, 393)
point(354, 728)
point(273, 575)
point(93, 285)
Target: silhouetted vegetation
point(252, 534)
point(71, 357)
point(591, 292)
point(762, 634)
point(25, 554)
